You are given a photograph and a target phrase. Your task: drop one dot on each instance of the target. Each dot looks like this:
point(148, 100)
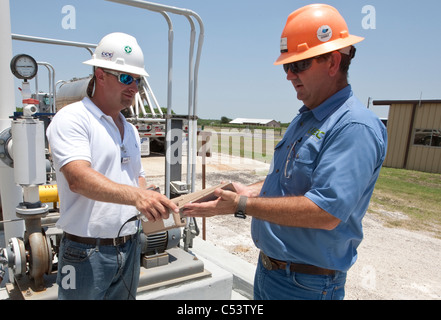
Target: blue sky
point(399, 59)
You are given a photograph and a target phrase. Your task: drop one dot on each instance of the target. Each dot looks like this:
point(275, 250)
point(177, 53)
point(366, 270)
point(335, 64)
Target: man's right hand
point(154, 205)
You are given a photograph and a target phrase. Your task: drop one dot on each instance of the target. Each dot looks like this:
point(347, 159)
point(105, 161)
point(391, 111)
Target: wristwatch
point(241, 208)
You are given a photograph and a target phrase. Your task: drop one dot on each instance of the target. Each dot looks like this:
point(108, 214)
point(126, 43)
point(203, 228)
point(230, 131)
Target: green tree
point(225, 120)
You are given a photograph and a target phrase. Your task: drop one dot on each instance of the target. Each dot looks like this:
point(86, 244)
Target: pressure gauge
point(24, 66)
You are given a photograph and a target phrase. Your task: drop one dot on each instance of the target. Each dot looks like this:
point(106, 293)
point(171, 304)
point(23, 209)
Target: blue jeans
point(89, 272)
point(287, 285)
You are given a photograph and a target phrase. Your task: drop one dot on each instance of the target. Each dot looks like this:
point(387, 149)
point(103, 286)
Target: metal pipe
point(139, 108)
point(145, 89)
point(49, 67)
point(149, 89)
point(190, 100)
point(86, 46)
point(146, 120)
point(169, 104)
point(195, 103)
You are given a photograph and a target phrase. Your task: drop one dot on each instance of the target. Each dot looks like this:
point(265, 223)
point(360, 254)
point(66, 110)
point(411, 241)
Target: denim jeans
point(89, 272)
point(287, 285)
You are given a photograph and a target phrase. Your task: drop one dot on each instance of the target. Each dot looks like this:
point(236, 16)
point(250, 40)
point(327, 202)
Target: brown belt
point(97, 241)
point(273, 264)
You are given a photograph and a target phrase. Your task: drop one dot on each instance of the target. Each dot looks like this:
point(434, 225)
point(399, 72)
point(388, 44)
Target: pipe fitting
point(29, 110)
point(40, 257)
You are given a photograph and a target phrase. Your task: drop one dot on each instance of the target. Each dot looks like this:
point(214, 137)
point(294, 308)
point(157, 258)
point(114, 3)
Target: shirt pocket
point(277, 151)
point(296, 177)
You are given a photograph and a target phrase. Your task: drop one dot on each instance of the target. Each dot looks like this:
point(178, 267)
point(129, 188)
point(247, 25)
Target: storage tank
point(72, 91)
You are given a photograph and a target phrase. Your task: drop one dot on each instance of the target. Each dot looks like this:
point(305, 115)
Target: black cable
point(134, 218)
point(129, 290)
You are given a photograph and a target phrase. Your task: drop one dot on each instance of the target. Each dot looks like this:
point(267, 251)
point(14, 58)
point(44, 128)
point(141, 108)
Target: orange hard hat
point(314, 30)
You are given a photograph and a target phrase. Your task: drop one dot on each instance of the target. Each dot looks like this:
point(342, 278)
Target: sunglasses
point(299, 66)
point(302, 65)
point(124, 78)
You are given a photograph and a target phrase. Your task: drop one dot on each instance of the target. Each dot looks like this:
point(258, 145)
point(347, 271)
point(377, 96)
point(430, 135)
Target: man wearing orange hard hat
point(307, 213)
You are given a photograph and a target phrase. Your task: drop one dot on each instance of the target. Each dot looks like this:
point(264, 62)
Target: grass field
point(408, 199)
point(402, 198)
point(254, 144)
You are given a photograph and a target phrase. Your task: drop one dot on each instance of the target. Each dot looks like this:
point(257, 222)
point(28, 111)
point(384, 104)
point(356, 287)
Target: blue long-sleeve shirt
point(332, 155)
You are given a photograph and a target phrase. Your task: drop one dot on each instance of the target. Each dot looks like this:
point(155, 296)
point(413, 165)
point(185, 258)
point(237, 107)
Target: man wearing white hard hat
point(101, 180)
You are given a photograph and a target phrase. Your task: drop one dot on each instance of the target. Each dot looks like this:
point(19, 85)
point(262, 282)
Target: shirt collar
point(92, 107)
point(97, 111)
point(330, 104)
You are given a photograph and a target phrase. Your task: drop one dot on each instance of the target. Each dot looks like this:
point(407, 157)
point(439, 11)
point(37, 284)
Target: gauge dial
point(24, 66)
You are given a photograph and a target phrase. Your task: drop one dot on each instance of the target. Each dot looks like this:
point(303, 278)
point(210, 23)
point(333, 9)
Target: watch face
point(24, 66)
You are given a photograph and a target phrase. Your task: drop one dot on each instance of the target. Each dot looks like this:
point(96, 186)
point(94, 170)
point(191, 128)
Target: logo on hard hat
point(283, 45)
point(128, 49)
point(324, 33)
point(107, 55)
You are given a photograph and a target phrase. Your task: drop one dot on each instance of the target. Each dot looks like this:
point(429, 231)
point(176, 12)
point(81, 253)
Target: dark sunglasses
point(299, 66)
point(124, 78)
point(302, 65)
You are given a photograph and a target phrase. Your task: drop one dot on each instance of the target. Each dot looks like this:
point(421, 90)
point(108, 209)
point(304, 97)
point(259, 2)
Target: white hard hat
point(119, 51)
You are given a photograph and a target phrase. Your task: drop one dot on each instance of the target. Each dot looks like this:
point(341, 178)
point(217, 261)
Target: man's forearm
point(93, 185)
point(291, 211)
point(84, 180)
point(255, 188)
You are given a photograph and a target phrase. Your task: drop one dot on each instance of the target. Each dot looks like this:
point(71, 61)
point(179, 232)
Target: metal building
point(256, 122)
point(414, 134)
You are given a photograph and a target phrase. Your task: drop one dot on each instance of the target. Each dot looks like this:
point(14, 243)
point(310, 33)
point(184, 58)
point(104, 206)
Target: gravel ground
point(393, 264)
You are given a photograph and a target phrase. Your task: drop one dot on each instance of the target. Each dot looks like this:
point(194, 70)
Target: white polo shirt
point(81, 131)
